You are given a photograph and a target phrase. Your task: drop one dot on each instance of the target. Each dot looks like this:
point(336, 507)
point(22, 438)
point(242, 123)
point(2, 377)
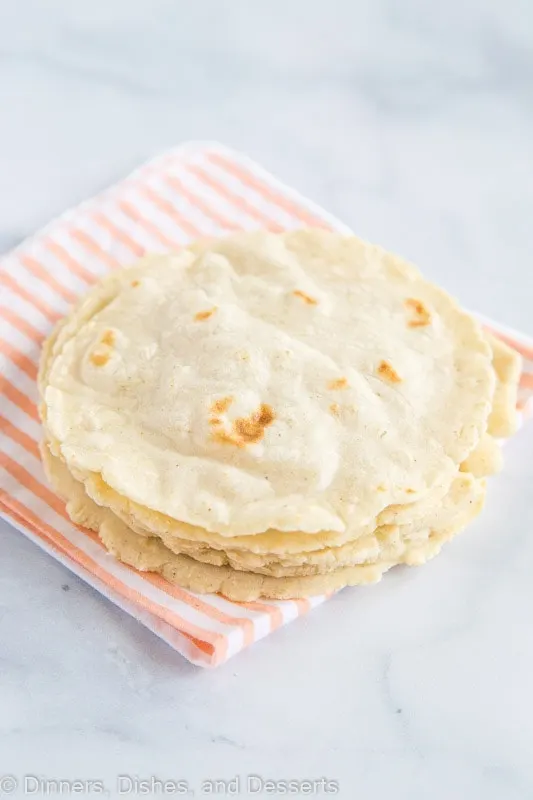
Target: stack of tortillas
point(273, 415)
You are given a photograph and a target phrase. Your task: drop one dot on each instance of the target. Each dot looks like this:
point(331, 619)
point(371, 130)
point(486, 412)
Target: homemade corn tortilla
point(507, 364)
point(457, 508)
point(150, 553)
point(483, 461)
point(301, 382)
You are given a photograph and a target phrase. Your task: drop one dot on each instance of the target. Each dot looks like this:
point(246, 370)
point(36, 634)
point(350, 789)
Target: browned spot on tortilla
point(108, 338)
point(410, 491)
point(215, 421)
point(389, 373)
point(221, 405)
point(247, 430)
point(305, 297)
point(99, 359)
point(201, 315)
point(420, 315)
point(381, 488)
point(338, 383)
point(252, 429)
point(135, 283)
point(226, 438)
point(335, 409)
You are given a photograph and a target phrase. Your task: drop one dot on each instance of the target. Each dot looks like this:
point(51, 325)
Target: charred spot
point(338, 383)
point(247, 430)
point(305, 297)
point(200, 316)
point(252, 429)
point(221, 405)
point(419, 314)
point(108, 338)
point(99, 359)
point(388, 373)
point(226, 438)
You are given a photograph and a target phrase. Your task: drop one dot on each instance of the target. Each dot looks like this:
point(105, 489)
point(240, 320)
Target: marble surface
point(413, 122)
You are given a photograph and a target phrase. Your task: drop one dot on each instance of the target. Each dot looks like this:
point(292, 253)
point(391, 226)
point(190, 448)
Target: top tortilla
point(302, 381)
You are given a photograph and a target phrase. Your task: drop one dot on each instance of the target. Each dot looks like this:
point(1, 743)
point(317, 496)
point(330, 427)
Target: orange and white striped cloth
point(195, 190)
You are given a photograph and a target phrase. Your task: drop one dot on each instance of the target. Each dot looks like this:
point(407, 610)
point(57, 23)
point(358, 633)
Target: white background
point(413, 122)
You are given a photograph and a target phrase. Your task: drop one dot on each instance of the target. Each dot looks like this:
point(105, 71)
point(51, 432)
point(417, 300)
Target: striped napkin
point(198, 189)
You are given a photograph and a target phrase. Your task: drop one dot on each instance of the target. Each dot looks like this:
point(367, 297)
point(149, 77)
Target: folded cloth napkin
point(195, 190)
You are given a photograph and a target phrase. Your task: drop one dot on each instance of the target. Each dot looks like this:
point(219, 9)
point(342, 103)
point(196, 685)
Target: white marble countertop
point(413, 122)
